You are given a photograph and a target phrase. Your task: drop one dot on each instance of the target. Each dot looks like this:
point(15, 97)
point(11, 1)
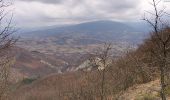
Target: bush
point(147, 97)
point(28, 80)
point(167, 90)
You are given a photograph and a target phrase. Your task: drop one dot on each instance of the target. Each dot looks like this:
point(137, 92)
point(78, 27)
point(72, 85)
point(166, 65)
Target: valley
point(45, 52)
point(84, 50)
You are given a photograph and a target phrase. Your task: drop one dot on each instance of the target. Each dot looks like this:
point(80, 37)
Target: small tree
point(159, 43)
point(102, 60)
point(6, 42)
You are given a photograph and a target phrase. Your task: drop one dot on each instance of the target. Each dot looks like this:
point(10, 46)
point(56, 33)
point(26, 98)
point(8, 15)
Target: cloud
point(45, 1)
point(69, 11)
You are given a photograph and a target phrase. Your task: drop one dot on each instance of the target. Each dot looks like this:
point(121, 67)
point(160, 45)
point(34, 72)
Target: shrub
point(28, 80)
point(146, 97)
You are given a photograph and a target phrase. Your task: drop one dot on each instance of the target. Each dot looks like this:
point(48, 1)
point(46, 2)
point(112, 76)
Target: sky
point(31, 13)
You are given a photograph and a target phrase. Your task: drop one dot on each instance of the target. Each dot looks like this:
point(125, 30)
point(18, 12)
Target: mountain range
point(100, 30)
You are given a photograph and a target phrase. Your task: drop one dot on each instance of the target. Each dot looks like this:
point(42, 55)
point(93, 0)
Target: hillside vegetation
point(111, 83)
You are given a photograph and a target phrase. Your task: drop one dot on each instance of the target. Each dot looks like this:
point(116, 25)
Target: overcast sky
point(50, 12)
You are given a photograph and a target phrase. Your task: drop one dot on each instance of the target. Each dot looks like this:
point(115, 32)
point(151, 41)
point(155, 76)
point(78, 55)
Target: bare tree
point(102, 60)
point(6, 42)
point(159, 42)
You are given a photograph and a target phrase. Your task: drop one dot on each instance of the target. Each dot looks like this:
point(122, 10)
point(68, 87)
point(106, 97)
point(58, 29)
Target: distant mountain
point(94, 26)
point(101, 30)
point(140, 26)
point(99, 26)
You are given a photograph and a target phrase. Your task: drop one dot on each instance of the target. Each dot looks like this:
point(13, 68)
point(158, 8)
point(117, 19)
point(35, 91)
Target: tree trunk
point(102, 85)
point(163, 84)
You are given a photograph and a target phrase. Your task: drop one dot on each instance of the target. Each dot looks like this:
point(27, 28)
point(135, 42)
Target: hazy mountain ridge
point(101, 30)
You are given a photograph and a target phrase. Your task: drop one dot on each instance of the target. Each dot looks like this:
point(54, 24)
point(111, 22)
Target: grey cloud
point(85, 10)
point(120, 5)
point(45, 1)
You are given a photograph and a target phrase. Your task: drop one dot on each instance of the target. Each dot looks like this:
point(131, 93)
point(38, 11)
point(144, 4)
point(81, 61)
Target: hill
point(97, 30)
point(34, 64)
